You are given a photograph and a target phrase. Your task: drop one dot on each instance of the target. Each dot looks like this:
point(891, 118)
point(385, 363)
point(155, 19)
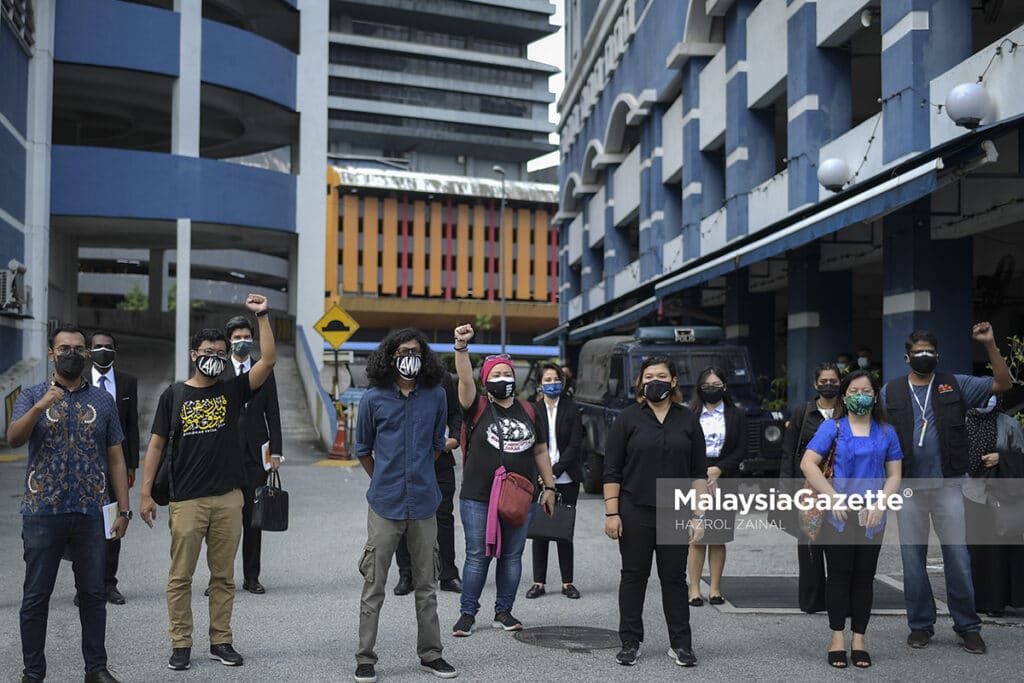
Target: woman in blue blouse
point(867, 452)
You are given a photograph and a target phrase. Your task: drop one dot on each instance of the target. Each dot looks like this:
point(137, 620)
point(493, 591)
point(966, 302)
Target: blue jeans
point(44, 538)
point(510, 564)
point(945, 507)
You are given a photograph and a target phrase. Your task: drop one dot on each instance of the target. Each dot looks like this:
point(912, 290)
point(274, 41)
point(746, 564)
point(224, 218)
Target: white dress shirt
point(110, 386)
point(553, 453)
point(241, 366)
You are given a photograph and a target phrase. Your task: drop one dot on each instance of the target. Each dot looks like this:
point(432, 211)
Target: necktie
point(104, 387)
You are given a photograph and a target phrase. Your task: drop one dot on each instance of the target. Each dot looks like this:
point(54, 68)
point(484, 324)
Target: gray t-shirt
point(927, 460)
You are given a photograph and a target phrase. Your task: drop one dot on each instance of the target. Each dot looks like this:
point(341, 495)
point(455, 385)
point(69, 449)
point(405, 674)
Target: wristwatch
point(127, 514)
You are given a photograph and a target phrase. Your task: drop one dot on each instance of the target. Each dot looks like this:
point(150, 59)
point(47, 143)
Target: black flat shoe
point(716, 600)
point(536, 590)
point(571, 592)
point(861, 659)
point(114, 596)
point(451, 585)
point(837, 659)
point(254, 586)
point(404, 586)
point(696, 602)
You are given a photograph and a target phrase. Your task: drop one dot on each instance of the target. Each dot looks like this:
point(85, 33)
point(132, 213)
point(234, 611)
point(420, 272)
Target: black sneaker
point(683, 656)
point(226, 655)
point(365, 673)
point(464, 626)
point(629, 655)
point(181, 659)
point(439, 668)
point(507, 622)
point(972, 642)
point(918, 639)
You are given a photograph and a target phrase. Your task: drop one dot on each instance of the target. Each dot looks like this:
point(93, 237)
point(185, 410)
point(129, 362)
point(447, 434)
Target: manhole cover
point(572, 638)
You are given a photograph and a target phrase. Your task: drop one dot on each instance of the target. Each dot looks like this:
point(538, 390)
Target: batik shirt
point(67, 450)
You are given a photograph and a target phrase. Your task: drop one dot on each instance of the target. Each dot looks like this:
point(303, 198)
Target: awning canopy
point(868, 205)
point(631, 314)
point(551, 335)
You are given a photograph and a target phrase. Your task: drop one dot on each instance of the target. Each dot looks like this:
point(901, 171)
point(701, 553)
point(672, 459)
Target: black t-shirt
point(208, 459)
point(518, 432)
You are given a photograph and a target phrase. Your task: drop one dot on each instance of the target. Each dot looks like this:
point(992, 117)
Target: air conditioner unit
point(13, 298)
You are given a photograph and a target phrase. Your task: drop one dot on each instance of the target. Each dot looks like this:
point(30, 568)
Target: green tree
point(134, 300)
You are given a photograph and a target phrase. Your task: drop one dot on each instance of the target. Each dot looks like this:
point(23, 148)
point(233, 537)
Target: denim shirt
point(402, 434)
point(67, 450)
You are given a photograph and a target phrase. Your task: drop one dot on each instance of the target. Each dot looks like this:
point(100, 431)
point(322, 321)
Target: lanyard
point(923, 407)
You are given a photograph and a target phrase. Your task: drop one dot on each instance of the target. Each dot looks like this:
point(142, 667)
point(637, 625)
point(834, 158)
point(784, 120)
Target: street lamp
point(501, 260)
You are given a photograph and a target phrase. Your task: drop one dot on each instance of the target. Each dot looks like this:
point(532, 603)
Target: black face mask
point(657, 391)
point(827, 390)
point(103, 358)
point(501, 388)
point(70, 364)
point(713, 395)
point(923, 365)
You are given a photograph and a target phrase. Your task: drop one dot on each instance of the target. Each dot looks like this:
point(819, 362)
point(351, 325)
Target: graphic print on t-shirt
point(518, 436)
point(203, 415)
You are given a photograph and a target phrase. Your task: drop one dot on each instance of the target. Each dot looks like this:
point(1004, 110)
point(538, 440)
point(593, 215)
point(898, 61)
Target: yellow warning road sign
point(336, 327)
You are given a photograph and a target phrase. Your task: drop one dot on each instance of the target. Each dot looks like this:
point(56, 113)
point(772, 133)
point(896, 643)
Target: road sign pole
point(339, 451)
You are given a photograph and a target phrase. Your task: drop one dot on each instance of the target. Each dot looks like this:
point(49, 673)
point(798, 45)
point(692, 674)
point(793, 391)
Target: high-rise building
point(439, 87)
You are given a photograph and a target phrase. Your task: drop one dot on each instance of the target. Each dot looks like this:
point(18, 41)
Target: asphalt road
point(305, 627)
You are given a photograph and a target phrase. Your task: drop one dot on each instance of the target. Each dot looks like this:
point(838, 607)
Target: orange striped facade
point(411, 246)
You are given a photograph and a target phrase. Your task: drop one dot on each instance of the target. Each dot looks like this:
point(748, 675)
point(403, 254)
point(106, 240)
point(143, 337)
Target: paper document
point(265, 450)
point(109, 517)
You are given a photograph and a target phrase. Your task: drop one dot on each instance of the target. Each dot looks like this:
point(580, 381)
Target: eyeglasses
point(65, 349)
point(211, 352)
point(717, 385)
point(498, 356)
point(406, 352)
point(863, 392)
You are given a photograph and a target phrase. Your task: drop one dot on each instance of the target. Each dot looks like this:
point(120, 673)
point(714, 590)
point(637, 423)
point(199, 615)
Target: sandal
point(861, 658)
point(837, 659)
point(716, 600)
point(696, 602)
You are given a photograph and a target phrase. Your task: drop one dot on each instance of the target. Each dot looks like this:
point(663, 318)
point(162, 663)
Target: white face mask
point(863, 363)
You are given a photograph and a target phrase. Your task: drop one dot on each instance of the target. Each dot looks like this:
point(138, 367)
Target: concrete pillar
point(749, 133)
point(818, 101)
point(750, 321)
point(702, 182)
point(920, 40)
point(183, 299)
point(616, 243)
point(157, 268)
point(928, 284)
point(652, 193)
point(37, 186)
point(819, 324)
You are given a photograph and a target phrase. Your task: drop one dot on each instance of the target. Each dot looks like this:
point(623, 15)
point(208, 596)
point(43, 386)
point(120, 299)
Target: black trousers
point(850, 576)
point(445, 516)
point(637, 546)
point(811, 584)
point(113, 549)
point(570, 493)
point(252, 539)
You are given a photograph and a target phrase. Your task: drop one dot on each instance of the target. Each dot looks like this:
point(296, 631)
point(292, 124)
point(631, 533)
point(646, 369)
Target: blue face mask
point(553, 390)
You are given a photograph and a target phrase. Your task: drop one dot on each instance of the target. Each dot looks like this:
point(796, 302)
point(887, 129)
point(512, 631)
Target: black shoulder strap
point(177, 400)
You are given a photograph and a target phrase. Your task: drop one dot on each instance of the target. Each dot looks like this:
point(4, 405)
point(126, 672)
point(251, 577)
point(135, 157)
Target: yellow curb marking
point(7, 457)
point(336, 463)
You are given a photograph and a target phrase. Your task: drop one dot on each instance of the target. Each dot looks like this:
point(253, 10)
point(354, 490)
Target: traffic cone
point(339, 451)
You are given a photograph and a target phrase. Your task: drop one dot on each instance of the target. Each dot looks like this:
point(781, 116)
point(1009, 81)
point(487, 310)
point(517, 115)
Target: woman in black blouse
point(655, 438)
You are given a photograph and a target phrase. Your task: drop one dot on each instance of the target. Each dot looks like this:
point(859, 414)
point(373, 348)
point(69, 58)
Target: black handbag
point(559, 527)
point(163, 483)
point(270, 505)
point(1007, 515)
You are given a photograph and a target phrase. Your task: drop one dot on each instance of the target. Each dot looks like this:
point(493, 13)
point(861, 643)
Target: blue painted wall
point(13, 80)
point(12, 175)
point(92, 181)
point(244, 61)
point(117, 34)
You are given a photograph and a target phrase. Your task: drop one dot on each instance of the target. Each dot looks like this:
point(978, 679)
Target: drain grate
point(572, 638)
